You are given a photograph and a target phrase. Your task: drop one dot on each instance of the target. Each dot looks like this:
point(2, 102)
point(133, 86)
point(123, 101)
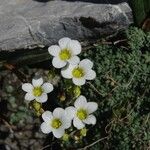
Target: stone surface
point(25, 24)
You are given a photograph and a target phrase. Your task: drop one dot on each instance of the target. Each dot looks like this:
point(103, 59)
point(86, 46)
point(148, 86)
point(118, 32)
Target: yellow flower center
point(78, 72)
point(82, 114)
point(56, 123)
point(65, 54)
point(37, 91)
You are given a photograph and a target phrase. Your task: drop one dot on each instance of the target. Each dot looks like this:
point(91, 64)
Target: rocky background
point(26, 24)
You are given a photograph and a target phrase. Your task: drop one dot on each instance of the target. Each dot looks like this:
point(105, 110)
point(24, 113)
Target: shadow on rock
point(90, 1)
point(43, 1)
point(100, 1)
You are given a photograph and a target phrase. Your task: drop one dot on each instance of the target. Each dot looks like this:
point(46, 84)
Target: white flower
point(65, 52)
point(79, 72)
point(55, 122)
point(37, 90)
point(82, 112)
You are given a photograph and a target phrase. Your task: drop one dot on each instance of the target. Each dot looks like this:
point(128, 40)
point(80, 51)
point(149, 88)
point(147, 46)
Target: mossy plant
point(136, 38)
point(122, 91)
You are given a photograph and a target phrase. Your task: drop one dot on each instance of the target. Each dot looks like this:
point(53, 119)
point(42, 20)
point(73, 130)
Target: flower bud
point(36, 105)
point(76, 91)
point(83, 132)
point(65, 137)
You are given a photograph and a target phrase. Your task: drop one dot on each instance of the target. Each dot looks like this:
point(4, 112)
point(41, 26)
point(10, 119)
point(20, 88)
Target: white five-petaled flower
point(65, 52)
point(37, 90)
point(55, 122)
point(82, 112)
point(79, 72)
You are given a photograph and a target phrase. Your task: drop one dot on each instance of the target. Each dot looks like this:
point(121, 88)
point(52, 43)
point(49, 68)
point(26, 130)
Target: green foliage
point(147, 41)
point(147, 6)
point(122, 91)
point(136, 38)
point(141, 9)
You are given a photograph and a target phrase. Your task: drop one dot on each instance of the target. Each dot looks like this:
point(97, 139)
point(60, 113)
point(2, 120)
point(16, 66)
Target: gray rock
point(26, 24)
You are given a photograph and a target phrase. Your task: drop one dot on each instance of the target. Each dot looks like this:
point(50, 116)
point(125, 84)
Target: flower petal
point(54, 50)
point(80, 102)
point(45, 128)
point(91, 107)
point(29, 97)
point(27, 87)
point(78, 123)
point(90, 75)
point(43, 98)
point(47, 87)
point(47, 116)
point(66, 122)
point(57, 63)
point(86, 64)
point(74, 60)
point(70, 112)
point(91, 119)
point(37, 82)
point(58, 112)
point(79, 81)
point(58, 133)
point(75, 47)
point(67, 71)
point(64, 42)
